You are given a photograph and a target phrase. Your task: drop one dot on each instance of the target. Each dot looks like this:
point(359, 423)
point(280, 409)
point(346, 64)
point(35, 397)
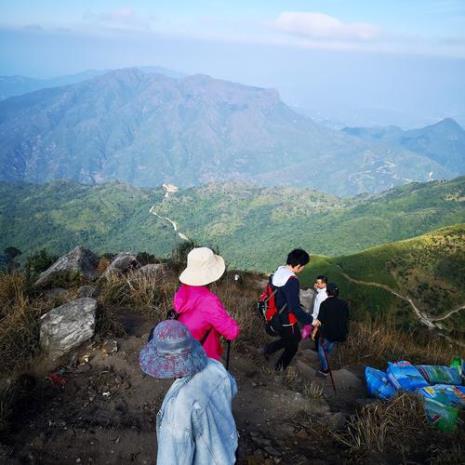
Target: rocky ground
point(97, 407)
point(93, 405)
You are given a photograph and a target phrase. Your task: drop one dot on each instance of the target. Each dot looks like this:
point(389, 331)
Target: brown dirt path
point(104, 414)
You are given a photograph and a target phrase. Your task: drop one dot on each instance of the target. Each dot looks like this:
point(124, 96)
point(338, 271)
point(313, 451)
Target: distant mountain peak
point(448, 123)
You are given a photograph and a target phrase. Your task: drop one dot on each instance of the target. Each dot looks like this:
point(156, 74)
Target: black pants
point(289, 341)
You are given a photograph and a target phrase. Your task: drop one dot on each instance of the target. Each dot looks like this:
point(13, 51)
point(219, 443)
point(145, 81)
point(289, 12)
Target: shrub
point(39, 262)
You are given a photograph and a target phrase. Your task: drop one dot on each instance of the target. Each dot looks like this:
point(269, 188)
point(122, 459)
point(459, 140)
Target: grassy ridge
point(428, 269)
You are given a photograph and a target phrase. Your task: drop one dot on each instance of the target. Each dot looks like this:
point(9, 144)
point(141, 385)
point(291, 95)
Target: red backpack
point(268, 310)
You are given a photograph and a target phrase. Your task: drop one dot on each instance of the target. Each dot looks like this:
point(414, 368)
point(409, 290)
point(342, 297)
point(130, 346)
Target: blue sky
point(425, 26)
point(337, 58)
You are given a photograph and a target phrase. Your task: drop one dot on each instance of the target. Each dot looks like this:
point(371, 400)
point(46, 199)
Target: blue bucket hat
point(172, 352)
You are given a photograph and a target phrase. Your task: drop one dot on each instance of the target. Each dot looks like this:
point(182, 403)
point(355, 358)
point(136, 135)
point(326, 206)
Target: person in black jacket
point(333, 320)
point(288, 300)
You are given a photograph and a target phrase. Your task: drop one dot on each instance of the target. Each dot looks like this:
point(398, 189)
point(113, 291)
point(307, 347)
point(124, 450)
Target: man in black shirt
point(285, 281)
point(333, 319)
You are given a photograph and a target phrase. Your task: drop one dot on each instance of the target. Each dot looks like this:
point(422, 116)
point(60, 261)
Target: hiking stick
point(329, 368)
point(227, 354)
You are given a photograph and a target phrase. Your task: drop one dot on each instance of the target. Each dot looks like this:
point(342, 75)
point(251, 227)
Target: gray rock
point(152, 270)
point(88, 291)
point(345, 379)
point(79, 261)
point(122, 264)
point(307, 296)
point(272, 451)
point(56, 293)
point(334, 421)
point(67, 326)
point(363, 402)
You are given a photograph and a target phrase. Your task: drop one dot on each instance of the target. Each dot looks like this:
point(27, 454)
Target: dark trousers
point(289, 339)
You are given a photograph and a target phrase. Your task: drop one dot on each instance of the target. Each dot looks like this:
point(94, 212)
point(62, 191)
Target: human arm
point(291, 291)
point(221, 321)
point(319, 298)
point(322, 313)
point(175, 443)
point(171, 450)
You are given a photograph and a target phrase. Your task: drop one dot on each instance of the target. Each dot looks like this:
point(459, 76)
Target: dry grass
point(19, 323)
point(399, 429)
point(376, 342)
point(150, 295)
point(313, 390)
point(240, 301)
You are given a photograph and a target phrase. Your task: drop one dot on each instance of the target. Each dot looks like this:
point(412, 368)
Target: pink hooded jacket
point(201, 310)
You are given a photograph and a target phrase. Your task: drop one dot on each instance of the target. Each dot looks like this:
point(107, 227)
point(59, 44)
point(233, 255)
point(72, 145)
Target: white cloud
point(123, 18)
point(319, 26)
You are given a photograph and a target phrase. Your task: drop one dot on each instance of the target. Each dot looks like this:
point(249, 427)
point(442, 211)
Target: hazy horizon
point(348, 62)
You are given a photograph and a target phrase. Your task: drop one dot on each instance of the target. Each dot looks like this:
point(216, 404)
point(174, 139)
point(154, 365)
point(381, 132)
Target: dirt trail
point(104, 413)
point(171, 222)
point(425, 319)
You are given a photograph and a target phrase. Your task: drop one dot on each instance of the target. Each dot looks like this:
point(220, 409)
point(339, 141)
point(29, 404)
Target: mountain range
point(443, 142)
point(147, 128)
point(253, 227)
point(11, 86)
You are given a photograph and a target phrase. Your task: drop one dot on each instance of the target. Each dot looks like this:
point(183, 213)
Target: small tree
point(38, 262)
point(10, 254)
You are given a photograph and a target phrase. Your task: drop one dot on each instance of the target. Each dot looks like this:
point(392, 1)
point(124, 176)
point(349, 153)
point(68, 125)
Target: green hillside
point(443, 142)
point(147, 129)
point(253, 227)
point(429, 270)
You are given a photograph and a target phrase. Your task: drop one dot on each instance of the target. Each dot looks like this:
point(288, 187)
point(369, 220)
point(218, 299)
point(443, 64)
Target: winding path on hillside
point(171, 222)
point(169, 190)
point(422, 316)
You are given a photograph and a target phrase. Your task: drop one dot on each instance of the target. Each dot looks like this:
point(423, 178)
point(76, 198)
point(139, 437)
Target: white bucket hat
point(203, 267)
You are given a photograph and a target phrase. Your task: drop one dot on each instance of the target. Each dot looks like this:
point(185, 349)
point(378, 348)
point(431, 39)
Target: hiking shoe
point(323, 373)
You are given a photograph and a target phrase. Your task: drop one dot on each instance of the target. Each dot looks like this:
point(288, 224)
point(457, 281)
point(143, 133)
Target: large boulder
point(122, 264)
point(151, 271)
point(307, 297)
point(67, 326)
point(88, 291)
point(79, 262)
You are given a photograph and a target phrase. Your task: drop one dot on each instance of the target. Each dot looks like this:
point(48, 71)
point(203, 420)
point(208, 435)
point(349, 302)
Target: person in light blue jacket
point(195, 425)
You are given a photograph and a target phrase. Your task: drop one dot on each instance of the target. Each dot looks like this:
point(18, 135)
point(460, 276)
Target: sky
point(350, 61)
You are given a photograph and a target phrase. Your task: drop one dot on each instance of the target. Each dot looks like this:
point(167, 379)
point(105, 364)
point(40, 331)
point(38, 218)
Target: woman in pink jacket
point(198, 307)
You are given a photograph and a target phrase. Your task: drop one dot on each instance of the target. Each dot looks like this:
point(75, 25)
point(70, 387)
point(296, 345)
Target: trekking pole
point(329, 368)
point(228, 352)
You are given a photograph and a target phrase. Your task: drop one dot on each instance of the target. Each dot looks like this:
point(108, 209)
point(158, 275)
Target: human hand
point(314, 332)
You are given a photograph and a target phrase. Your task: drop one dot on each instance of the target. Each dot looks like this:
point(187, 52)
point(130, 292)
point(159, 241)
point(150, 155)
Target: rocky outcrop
point(307, 297)
point(88, 291)
point(122, 264)
point(67, 326)
point(152, 271)
point(79, 262)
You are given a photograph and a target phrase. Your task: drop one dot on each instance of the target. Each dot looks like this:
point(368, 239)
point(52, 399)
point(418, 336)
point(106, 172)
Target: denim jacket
point(195, 425)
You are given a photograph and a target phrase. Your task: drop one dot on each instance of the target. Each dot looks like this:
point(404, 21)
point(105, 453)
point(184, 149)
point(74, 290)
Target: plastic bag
point(445, 394)
point(403, 375)
point(306, 331)
point(459, 364)
point(442, 416)
point(437, 374)
point(378, 384)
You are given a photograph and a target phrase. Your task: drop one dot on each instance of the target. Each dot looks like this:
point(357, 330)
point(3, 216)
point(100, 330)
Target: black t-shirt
point(334, 318)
